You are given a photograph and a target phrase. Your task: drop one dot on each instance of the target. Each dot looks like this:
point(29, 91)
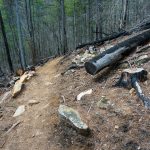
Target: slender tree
point(124, 14)
point(6, 43)
point(20, 37)
point(64, 34)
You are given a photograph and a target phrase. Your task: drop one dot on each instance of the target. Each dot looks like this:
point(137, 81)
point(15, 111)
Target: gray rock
point(103, 103)
point(5, 97)
point(33, 102)
point(124, 65)
point(70, 116)
point(143, 59)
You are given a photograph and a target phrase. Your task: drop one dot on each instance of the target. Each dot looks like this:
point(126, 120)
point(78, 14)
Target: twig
point(105, 84)
point(12, 127)
point(90, 107)
point(63, 97)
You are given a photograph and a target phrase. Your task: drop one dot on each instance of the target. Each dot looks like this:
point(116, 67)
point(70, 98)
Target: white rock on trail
point(20, 110)
point(33, 102)
point(88, 92)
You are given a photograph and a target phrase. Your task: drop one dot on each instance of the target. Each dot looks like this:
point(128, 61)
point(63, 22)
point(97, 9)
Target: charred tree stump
point(130, 78)
point(114, 54)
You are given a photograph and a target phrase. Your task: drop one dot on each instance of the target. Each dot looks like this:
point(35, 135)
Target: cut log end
point(90, 68)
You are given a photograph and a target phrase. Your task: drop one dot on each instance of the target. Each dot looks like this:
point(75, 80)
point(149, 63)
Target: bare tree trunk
point(31, 30)
point(124, 14)
point(21, 48)
point(89, 20)
point(64, 34)
point(74, 24)
point(97, 19)
point(6, 43)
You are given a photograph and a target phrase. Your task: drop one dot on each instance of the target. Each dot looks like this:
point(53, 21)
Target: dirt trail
point(122, 126)
point(38, 121)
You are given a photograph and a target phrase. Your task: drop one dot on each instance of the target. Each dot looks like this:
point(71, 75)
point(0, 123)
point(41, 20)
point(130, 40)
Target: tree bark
point(21, 48)
point(64, 34)
point(6, 43)
point(114, 54)
point(124, 14)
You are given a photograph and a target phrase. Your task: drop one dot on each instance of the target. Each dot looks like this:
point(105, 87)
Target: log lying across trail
point(114, 54)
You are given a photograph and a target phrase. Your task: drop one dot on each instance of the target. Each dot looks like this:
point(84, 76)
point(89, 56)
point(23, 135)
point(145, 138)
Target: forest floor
point(125, 126)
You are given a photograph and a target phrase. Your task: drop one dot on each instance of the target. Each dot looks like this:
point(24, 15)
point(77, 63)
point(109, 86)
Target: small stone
point(124, 65)
point(33, 102)
point(48, 83)
point(70, 116)
point(20, 110)
point(103, 103)
point(132, 92)
point(116, 127)
point(145, 83)
point(56, 76)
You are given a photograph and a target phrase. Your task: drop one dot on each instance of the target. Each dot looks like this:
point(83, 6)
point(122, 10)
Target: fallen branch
point(100, 42)
point(144, 25)
point(72, 66)
point(12, 127)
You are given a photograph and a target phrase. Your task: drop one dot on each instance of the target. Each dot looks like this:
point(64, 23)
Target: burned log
point(137, 28)
point(114, 54)
point(100, 42)
point(130, 78)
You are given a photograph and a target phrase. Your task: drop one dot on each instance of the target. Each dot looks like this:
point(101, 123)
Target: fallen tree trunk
point(114, 54)
point(139, 27)
point(100, 42)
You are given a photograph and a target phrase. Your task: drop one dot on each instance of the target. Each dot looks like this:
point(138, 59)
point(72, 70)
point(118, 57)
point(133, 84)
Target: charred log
point(114, 54)
point(100, 42)
point(73, 66)
point(139, 27)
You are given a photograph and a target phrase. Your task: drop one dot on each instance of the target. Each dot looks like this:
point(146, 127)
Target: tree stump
point(130, 78)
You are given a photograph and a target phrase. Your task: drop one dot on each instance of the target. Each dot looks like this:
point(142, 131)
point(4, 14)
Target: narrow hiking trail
point(37, 123)
point(123, 125)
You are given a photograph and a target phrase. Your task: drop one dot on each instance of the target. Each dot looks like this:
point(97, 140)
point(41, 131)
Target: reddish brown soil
point(125, 126)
